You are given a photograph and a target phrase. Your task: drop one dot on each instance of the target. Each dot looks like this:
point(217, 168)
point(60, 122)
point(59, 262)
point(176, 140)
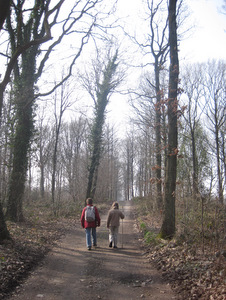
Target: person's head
point(89, 201)
point(115, 205)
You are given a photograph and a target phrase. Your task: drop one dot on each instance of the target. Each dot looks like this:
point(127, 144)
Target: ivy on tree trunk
point(24, 97)
point(104, 88)
point(23, 84)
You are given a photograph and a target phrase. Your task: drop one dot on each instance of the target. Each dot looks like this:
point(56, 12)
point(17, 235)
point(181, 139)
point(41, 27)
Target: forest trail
point(71, 272)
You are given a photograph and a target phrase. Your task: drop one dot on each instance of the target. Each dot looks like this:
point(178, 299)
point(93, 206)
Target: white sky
point(209, 38)
point(206, 41)
point(209, 35)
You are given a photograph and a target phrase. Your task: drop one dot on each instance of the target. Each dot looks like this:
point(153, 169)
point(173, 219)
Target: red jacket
point(86, 224)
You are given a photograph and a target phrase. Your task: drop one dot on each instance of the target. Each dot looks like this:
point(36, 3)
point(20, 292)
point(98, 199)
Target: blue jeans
point(91, 231)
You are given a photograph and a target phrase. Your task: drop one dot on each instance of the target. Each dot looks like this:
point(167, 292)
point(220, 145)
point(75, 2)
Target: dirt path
point(71, 272)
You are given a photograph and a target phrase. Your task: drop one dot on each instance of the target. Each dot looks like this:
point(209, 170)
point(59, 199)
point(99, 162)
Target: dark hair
point(89, 201)
point(115, 205)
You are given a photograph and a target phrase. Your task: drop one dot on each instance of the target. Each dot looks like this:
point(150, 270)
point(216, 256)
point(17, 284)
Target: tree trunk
point(168, 226)
point(4, 10)
point(24, 131)
point(42, 181)
point(4, 233)
point(219, 173)
point(24, 80)
point(195, 166)
point(158, 136)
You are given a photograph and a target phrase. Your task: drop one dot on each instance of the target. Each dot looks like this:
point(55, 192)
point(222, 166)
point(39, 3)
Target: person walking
point(90, 219)
point(113, 222)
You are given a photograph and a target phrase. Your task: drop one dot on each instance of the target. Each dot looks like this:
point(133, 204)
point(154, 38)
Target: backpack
point(90, 214)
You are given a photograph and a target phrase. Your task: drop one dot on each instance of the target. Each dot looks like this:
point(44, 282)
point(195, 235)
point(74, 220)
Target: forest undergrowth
point(194, 262)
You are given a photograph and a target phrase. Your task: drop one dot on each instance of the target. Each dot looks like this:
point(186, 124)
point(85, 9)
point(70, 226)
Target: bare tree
point(44, 146)
point(155, 45)
point(64, 104)
point(159, 49)
point(73, 156)
point(192, 79)
point(216, 113)
point(130, 156)
point(109, 184)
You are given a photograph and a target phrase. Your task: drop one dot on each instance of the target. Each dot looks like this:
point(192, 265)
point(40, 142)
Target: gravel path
point(69, 271)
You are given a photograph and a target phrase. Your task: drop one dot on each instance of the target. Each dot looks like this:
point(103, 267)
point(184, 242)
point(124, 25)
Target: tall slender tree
point(168, 225)
point(156, 45)
point(192, 86)
point(216, 111)
point(64, 104)
point(159, 49)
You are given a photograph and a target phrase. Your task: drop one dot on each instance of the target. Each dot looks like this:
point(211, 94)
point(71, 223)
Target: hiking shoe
point(89, 248)
point(94, 245)
point(115, 247)
point(110, 245)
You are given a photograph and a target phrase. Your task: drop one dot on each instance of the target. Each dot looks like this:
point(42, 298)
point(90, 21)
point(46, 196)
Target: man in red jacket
point(90, 226)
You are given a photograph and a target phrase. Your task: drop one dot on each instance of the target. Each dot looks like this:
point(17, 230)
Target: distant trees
point(193, 89)
point(215, 93)
point(64, 103)
point(43, 152)
point(129, 166)
point(74, 153)
point(203, 87)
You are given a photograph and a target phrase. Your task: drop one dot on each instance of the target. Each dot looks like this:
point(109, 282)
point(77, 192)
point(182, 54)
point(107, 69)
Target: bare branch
point(22, 48)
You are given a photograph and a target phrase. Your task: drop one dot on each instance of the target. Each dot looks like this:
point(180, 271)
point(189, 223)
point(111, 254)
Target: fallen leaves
point(29, 244)
point(192, 275)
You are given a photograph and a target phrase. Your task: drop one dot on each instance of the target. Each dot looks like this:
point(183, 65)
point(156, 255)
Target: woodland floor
point(49, 260)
